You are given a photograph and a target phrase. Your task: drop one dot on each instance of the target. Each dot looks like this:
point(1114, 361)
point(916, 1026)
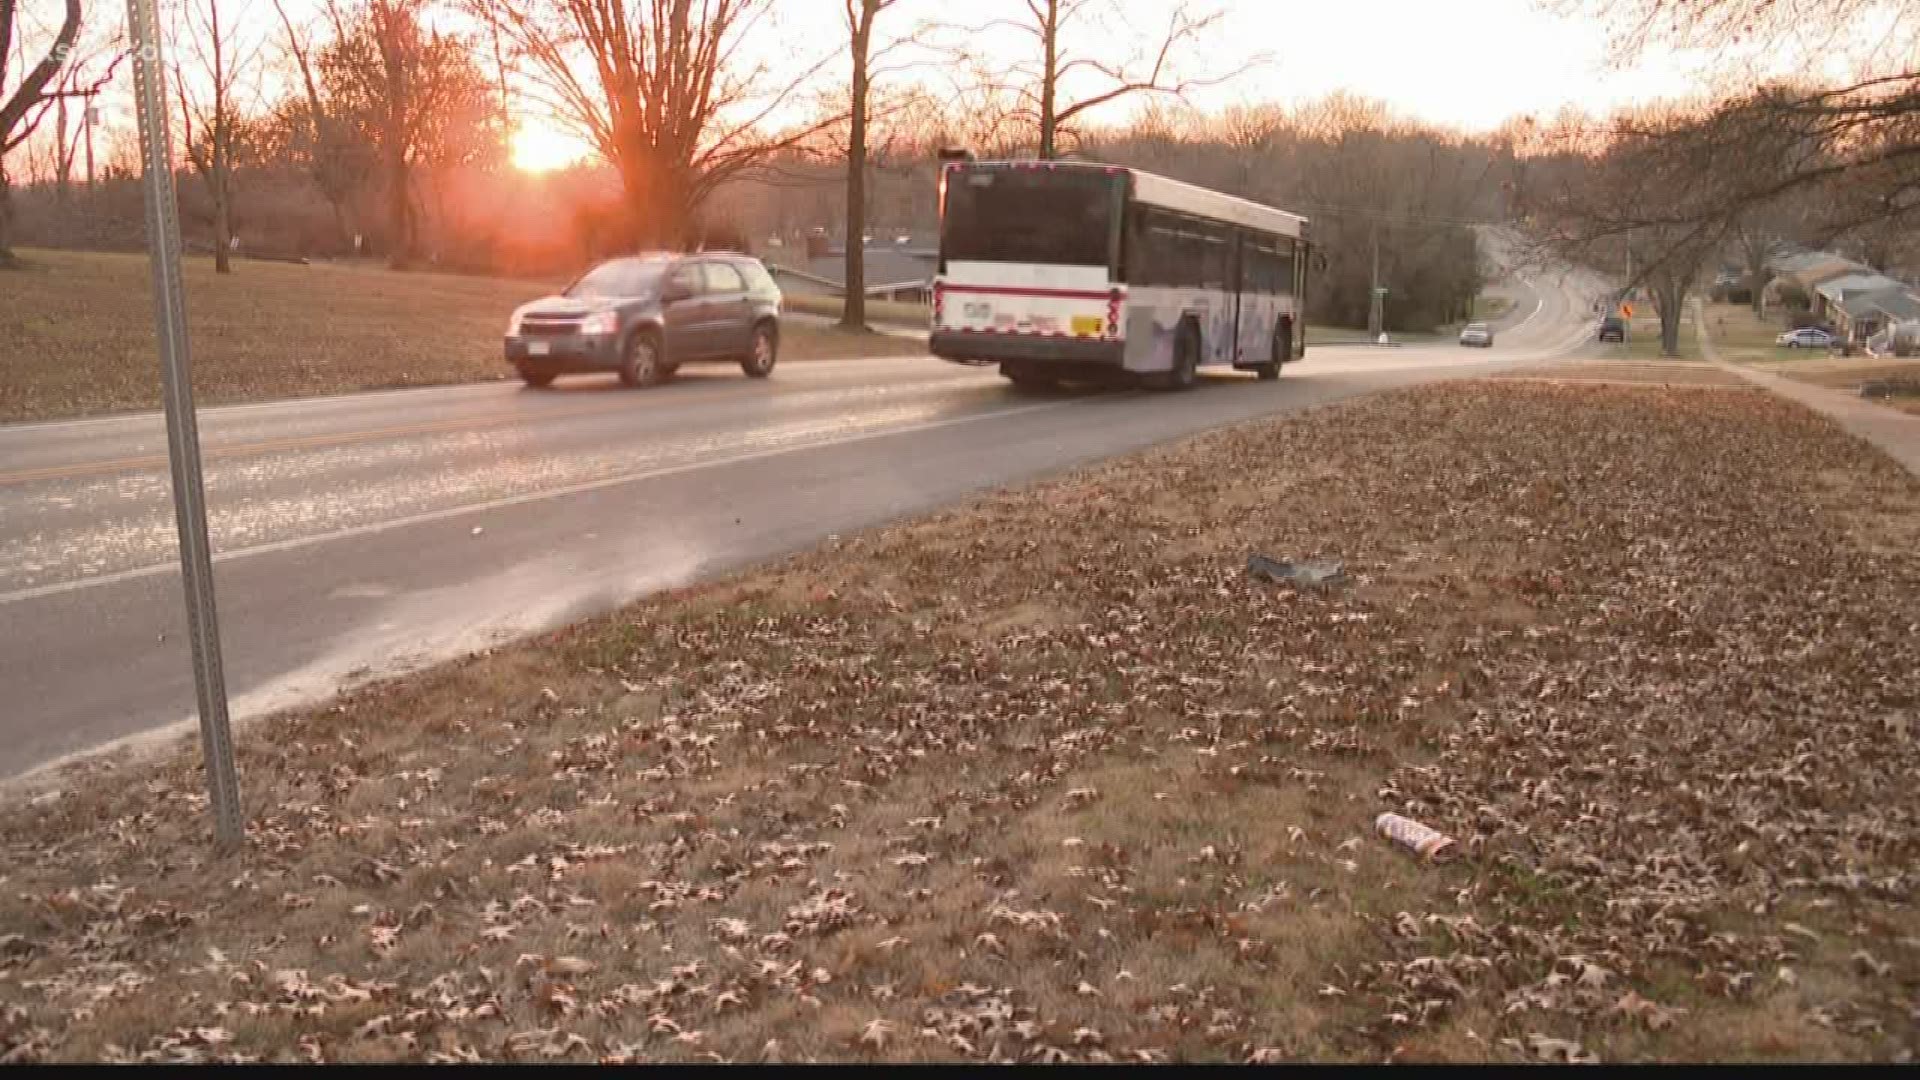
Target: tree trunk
point(1757, 283)
point(853, 312)
point(222, 224)
point(7, 259)
point(1049, 78)
point(399, 209)
point(656, 203)
point(1668, 299)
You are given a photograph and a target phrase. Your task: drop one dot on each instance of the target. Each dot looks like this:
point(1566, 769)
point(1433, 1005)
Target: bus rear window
point(1059, 216)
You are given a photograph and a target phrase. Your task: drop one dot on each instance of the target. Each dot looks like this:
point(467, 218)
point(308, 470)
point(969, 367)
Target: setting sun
point(539, 147)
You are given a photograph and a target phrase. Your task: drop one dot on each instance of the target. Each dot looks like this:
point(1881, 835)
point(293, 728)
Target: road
point(370, 534)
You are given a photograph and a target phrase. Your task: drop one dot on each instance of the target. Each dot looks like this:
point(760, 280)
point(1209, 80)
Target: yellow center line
point(303, 442)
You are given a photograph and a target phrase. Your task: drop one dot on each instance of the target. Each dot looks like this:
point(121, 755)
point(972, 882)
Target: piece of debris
point(1311, 573)
point(1430, 844)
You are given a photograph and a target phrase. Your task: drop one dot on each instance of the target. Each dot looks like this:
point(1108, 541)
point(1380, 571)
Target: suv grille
point(548, 325)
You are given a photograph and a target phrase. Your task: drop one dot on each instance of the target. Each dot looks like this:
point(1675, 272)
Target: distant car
point(1807, 337)
point(1613, 328)
point(645, 315)
point(1477, 335)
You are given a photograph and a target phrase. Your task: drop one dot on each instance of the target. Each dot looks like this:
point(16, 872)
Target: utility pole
point(183, 434)
point(93, 117)
point(63, 160)
point(1376, 313)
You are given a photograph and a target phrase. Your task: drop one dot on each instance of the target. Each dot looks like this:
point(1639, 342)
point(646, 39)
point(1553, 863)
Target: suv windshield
point(1062, 216)
point(619, 278)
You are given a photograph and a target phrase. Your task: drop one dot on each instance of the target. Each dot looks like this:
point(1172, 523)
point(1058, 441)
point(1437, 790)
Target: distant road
point(375, 533)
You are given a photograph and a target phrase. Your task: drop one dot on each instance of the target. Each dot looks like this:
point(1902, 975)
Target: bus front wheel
point(1279, 352)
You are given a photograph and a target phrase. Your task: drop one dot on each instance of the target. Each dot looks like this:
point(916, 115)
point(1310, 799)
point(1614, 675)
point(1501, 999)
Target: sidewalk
point(1894, 432)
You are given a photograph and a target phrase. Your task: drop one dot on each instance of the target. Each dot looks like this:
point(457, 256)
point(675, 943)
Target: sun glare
point(539, 148)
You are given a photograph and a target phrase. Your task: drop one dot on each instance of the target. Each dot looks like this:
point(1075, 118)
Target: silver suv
point(643, 316)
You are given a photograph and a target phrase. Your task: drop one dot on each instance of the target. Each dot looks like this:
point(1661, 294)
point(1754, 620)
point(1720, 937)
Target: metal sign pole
point(183, 436)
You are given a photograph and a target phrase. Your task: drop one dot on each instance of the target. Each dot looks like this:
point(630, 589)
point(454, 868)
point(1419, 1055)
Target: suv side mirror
point(676, 289)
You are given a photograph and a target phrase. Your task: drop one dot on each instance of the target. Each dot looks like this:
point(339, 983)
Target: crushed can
point(1427, 843)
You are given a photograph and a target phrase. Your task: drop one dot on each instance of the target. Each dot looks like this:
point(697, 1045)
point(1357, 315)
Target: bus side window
point(1216, 256)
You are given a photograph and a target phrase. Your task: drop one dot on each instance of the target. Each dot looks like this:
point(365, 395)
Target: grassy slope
point(76, 332)
point(1047, 777)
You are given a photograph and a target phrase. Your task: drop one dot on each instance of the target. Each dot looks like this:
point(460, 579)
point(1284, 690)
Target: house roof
point(1826, 269)
point(1897, 303)
point(1836, 289)
point(884, 266)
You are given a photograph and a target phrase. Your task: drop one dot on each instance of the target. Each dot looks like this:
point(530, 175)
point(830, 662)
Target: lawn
point(76, 332)
point(879, 312)
point(1489, 308)
point(1643, 338)
point(1048, 777)
point(1741, 337)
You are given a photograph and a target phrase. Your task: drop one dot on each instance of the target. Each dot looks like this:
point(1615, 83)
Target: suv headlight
point(601, 322)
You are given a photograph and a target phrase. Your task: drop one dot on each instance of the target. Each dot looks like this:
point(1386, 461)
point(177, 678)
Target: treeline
point(390, 136)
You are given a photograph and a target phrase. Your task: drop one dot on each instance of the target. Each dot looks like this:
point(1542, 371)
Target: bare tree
point(1860, 140)
point(27, 103)
point(212, 126)
point(1054, 25)
point(1637, 209)
point(660, 91)
point(394, 76)
point(323, 139)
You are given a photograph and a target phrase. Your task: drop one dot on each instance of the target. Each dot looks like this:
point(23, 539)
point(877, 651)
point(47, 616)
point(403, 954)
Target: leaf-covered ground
point(1049, 778)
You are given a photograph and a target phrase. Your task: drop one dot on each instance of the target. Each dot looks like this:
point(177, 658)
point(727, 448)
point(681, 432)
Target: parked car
point(1807, 337)
point(643, 316)
point(1613, 328)
point(1477, 335)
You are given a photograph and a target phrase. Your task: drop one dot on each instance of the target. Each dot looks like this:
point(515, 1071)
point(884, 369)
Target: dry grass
point(1047, 777)
point(1849, 373)
point(76, 332)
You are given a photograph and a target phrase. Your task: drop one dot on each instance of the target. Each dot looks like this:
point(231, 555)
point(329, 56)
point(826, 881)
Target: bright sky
point(1469, 64)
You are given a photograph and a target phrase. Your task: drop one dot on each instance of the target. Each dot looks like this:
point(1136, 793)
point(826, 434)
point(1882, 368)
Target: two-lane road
point(369, 534)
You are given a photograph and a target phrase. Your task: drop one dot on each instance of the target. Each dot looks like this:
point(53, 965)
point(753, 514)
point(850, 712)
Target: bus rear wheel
point(1186, 360)
point(1027, 379)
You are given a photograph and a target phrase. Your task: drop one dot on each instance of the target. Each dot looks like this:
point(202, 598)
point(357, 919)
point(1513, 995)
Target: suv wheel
point(642, 365)
point(764, 352)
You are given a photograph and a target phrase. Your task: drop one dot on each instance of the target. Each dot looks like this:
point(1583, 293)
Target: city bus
point(1066, 270)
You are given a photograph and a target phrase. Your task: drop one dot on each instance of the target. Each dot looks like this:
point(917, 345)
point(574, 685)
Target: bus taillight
point(1113, 312)
point(939, 300)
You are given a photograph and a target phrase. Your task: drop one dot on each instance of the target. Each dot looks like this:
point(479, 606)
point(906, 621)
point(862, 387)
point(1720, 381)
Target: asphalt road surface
point(365, 535)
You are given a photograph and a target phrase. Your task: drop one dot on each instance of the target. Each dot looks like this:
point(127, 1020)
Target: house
point(1806, 271)
point(1862, 314)
point(1829, 295)
point(893, 273)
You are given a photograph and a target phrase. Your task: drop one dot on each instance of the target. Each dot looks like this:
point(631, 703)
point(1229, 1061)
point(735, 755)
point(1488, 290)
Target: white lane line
point(370, 528)
point(1539, 303)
